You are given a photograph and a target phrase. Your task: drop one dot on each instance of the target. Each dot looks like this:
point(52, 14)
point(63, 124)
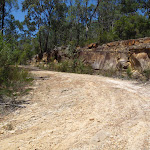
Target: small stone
point(13, 131)
point(1, 132)
point(91, 119)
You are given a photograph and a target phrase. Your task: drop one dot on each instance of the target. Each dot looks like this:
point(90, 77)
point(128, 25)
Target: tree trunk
point(55, 37)
point(72, 24)
point(46, 42)
point(40, 42)
point(3, 16)
point(86, 34)
point(78, 35)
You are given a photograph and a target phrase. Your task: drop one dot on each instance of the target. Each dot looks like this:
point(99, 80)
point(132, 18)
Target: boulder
point(45, 57)
point(128, 42)
point(55, 61)
point(144, 60)
point(93, 45)
point(146, 40)
point(137, 42)
point(135, 64)
point(112, 44)
point(122, 61)
point(136, 74)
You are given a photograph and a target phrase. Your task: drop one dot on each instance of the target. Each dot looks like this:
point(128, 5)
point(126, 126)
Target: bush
point(79, 67)
point(132, 26)
point(13, 80)
point(26, 54)
point(72, 66)
point(147, 74)
point(108, 73)
point(129, 72)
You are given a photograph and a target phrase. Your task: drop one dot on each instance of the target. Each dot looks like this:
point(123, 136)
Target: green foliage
point(107, 37)
point(72, 66)
point(147, 74)
point(26, 55)
point(129, 6)
point(133, 26)
point(13, 79)
point(5, 53)
point(129, 72)
point(108, 73)
point(79, 67)
point(80, 22)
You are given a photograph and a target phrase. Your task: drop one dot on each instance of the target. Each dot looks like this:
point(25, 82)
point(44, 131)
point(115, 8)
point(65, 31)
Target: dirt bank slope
point(79, 112)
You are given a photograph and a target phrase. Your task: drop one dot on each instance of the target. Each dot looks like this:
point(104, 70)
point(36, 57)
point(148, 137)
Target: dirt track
point(80, 112)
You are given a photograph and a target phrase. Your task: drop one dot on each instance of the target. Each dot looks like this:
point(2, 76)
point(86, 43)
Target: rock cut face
point(143, 61)
point(119, 53)
point(93, 45)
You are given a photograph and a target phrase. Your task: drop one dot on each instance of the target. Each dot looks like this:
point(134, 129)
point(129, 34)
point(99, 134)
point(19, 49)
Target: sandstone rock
point(93, 45)
point(2, 132)
point(141, 60)
point(118, 55)
point(131, 42)
point(136, 74)
point(135, 64)
point(112, 44)
point(96, 65)
point(137, 42)
point(142, 56)
point(55, 61)
point(45, 57)
point(90, 46)
point(128, 42)
point(122, 61)
point(146, 40)
point(78, 48)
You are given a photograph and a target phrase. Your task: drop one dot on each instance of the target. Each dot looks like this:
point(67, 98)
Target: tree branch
point(98, 2)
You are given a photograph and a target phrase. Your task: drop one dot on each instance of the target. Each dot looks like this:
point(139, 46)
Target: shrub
point(13, 79)
point(129, 72)
point(147, 74)
point(79, 67)
point(132, 26)
point(26, 54)
point(72, 66)
point(108, 73)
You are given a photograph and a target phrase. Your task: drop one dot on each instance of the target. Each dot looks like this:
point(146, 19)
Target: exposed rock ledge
point(119, 55)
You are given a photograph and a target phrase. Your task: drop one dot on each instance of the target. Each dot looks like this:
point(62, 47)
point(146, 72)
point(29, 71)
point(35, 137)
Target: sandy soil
point(79, 112)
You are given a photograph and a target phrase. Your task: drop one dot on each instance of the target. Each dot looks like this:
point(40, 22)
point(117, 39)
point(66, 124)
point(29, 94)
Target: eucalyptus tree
point(129, 6)
point(33, 19)
point(81, 13)
point(5, 12)
point(46, 17)
point(145, 7)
